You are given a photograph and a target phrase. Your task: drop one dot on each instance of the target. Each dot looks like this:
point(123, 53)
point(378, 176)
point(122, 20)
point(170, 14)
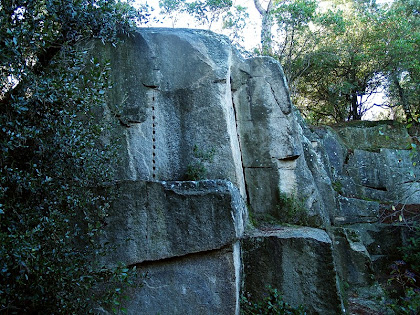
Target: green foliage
point(196, 170)
point(402, 283)
point(351, 49)
point(235, 21)
point(404, 277)
point(407, 305)
point(293, 36)
point(411, 250)
point(337, 186)
point(271, 304)
point(53, 162)
point(203, 11)
point(402, 22)
point(336, 57)
point(345, 65)
point(291, 210)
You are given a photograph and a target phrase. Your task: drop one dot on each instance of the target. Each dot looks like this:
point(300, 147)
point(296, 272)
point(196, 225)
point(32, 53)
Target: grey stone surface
point(176, 90)
point(335, 149)
point(353, 210)
point(314, 183)
point(367, 169)
point(382, 242)
point(171, 92)
point(195, 284)
point(372, 136)
point(353, 262)
point(277, 157)
point(158, 220)
point(298, 262)
point(265, 125)
point(402, 173)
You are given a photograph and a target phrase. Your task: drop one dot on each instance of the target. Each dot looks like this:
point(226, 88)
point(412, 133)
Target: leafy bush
point(411, 251)
point(409, 304)
point(52, 160)
point(404, 278)
point(271, 304)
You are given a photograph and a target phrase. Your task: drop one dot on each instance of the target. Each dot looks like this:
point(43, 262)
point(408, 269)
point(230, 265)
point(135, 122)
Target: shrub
point(404, 278)
point(52, 161)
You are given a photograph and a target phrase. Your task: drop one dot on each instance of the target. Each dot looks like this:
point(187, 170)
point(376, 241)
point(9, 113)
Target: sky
point(251, 34)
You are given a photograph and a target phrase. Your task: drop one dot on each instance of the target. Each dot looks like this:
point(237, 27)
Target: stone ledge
point(157, 220)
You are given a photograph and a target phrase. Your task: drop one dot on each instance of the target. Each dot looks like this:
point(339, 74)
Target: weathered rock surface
point(371, 136)
point(186, 101)
point(172, 91)
point(353, 261)
point(175, 91)
point(160, 220)
point(297, 261)
point(206, 283)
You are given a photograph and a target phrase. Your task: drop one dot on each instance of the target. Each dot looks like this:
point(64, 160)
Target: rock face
point(204, 283)
point(185, 237)
point(170, 219)
point(298, 260)
point(189, 106)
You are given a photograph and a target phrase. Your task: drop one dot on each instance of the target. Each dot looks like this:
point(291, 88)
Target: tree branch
point(259, 7)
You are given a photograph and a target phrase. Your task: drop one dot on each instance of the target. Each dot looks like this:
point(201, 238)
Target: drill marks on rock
point(153, 135)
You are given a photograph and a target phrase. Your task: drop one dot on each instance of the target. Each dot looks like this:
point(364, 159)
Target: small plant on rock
point(291, 210)
point(338, 187)
point(196, 169)
point(271, 304)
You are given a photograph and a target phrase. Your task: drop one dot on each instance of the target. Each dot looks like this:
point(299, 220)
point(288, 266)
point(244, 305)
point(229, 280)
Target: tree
point(52, 162)
point(203, 11)
point(347, 64)
point(266, 25)
point(235, 22)
point(402, 41)
point(294, 39)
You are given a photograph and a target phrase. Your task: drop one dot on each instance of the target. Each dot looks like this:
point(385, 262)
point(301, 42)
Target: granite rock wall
point(187, 103)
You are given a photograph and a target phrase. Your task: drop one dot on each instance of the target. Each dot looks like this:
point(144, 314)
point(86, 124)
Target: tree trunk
point(403, 99)
point(267, 24)
point(354, 114)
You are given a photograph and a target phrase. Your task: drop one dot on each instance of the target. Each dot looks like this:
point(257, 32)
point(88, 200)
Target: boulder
point(275, 153)
point(353, 210)
point(188, 106)
point(353, 261)
point(298, 262)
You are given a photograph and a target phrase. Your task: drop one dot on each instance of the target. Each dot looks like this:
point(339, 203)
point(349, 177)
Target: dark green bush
point(403, 283)
point(52, 160)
